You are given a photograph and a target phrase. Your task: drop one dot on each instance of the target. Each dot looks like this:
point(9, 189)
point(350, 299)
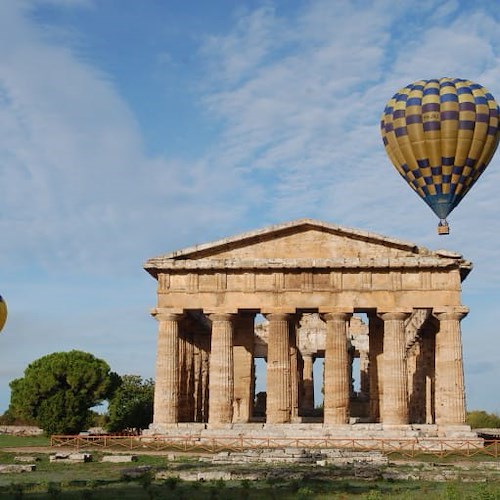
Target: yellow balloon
point(440, 135)
point(3, 312)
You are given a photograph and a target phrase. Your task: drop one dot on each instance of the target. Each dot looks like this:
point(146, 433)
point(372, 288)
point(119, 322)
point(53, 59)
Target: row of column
point(388, 371)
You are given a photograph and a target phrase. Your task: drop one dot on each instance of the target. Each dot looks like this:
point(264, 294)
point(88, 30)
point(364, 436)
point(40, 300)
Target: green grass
point(239, 490)
point(65, 473)
point(97, 480)
point(8, 441)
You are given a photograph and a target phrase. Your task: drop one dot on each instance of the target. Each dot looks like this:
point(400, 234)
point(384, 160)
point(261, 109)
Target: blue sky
point(133, 128)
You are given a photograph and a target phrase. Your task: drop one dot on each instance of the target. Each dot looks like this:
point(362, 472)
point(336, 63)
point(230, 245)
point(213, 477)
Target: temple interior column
point(364, 363)
point(221, 381)
point(201, 347)
point(278, 369)
point(395, 377)
point(450, 388)
point(336, 371)
point(186, 373)
point(307, 403)
point(197, 366)
point(244, 372)
point(375, 352)
point(166, 397)
point(429, 355)
point(205, 377)
point(294, 369)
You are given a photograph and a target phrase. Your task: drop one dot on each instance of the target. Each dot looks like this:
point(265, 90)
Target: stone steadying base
point(360, 435)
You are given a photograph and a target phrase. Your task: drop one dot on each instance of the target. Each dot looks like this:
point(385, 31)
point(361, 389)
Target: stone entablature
point(209, 296)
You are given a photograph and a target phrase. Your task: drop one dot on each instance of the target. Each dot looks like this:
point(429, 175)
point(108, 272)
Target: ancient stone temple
point(300, 291)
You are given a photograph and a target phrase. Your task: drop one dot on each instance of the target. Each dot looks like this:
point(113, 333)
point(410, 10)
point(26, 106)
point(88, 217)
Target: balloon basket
point(443, 228)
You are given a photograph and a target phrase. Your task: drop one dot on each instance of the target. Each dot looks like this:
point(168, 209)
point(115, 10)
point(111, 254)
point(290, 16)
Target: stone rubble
point(72, 458)
point(26, 459)
point(16, 468)
point(119, 458)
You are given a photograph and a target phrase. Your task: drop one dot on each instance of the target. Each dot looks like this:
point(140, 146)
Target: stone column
point(395, 401)
point(364, 363)
point(204, 381)
point(450, 388)
point(166, 397)
point(336, 371)
point(197, 390)
point(186, 375)
point(244, 373)
point(429, 345)
point(201, 347)
point(307, 385)
point(294, 369)
point(221, 378)
point(375, 353)
point(278, 408)
point(183, 376)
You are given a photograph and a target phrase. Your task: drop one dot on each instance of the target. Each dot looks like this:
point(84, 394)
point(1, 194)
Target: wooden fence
point(409, 447)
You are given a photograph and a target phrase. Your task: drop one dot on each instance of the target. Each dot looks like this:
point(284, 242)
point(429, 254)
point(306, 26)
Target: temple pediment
point(305, 243)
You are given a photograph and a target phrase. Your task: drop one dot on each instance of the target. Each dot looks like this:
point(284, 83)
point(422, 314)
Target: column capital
point(394, 315)
point(278, 316)
point(451, 313)
point(164, 314)
point(219, 316)
point(336, 315)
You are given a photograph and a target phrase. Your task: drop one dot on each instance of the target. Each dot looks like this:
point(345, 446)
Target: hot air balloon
point(440, 135)
point(3, 312)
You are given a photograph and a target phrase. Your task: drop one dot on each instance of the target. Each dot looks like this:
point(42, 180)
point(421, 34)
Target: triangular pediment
point(301, 239)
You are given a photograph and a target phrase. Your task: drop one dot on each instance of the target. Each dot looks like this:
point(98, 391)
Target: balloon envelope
point(3, 312)
point(440, 135)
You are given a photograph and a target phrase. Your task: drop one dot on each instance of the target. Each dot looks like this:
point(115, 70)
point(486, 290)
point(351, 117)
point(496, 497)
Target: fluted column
point(294, 369)
point(278, 369)
point(395, 401)
point(307, 402)
point(450, 388)
point(364, 363)
point(221, 379)
point(166, 398)
point(186, 374)
point(375, 352)
point(336, 371)
point(183, 374)
point(197, 391)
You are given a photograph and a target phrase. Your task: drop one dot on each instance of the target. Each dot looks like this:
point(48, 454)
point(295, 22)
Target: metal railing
point(409, 447)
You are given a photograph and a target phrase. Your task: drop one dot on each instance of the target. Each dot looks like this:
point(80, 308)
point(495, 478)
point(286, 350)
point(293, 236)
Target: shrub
point(478, 419)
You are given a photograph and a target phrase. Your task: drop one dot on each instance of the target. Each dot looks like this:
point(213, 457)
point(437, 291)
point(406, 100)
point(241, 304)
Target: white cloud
point(77, 182)
point(306, 124)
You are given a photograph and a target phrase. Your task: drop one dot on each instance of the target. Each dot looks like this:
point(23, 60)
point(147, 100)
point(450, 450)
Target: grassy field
point(147, 489)
point(102, 480)
point(8, 441)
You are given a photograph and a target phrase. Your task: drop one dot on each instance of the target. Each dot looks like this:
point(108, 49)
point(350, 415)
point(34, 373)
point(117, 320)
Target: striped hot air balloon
point(440, 135)
point(3, 312)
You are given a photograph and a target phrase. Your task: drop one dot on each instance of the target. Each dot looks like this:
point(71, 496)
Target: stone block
point(71, 458)
point(16, 468)
point(214, 475)
point(26, 459)
point(119, 458)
